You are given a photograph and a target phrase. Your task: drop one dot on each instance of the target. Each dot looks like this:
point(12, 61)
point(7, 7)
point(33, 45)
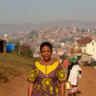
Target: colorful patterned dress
point(45, 78)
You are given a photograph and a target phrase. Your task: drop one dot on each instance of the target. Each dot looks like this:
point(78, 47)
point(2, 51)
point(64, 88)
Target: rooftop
point(84, 41)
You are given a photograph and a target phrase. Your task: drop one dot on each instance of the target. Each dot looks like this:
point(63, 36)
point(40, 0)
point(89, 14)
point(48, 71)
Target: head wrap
point(73, 59)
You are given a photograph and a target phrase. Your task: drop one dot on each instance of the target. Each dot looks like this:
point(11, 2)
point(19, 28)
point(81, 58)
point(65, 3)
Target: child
point(74, 72)
point(45, 74)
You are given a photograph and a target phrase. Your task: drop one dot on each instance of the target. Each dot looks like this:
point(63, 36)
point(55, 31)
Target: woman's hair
point(45, 44)
point(74, 63)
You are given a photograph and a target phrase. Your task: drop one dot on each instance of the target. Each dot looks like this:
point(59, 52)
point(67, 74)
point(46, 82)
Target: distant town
point(62, 39)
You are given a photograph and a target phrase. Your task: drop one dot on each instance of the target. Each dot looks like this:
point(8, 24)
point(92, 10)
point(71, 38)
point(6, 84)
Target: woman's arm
point(68, 73)
point(30, 89)
point(80, 72)
point(69, 68)
point(62, 89)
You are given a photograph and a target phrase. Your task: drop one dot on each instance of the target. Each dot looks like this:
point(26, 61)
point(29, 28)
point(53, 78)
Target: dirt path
point(19, 85)
point(16, 87)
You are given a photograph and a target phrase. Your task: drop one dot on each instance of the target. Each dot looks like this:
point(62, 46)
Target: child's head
point(46, 50)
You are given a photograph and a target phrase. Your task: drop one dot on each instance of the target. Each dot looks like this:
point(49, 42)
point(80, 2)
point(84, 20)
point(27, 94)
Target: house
point(2, 45)
point(86, 45)
point(24, 47)
point(82, 57)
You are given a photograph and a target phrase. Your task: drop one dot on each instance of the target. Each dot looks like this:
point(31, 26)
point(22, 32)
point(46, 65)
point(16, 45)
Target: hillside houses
point(60, 38)
point(86, 45)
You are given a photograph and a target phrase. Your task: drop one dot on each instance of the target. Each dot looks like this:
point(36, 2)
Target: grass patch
point(14, 65)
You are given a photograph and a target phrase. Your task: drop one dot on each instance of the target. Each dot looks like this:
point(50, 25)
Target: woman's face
point(46, 53)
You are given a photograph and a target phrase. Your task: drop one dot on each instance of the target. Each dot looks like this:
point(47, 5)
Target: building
point(86, 45)
point(2, 45)
point(24, 47)
point(82, 57)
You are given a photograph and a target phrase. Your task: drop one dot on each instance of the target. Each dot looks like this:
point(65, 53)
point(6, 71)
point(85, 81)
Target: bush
point(84, 63)
point(17, 45)
point(28, 53)
point(14, 51)
point(63, 56)
point(93, 63)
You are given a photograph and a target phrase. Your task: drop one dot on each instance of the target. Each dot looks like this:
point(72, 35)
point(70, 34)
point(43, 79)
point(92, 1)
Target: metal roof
point(2, 39)
point(78, 54)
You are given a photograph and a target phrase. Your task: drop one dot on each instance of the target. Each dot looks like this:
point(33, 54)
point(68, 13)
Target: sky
point(41, 11)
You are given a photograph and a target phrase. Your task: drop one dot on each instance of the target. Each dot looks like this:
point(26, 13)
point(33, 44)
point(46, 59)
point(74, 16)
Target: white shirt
point(74, 74)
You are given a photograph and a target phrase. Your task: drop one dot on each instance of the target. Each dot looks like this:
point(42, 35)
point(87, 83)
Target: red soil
point(19, 85)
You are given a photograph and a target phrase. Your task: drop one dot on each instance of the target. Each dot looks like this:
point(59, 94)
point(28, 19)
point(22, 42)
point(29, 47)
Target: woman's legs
point(72, 94)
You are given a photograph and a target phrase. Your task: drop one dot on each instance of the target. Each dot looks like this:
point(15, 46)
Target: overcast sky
point(40, 11)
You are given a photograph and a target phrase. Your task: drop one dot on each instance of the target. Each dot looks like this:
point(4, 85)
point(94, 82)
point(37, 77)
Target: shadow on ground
point(75, 94)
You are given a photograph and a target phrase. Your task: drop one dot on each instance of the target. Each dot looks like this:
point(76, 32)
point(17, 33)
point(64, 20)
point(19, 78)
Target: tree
point(71, 32)
point(17, 50)
point(17, 45)
point(83, 30)
point(59, 46)
point(63, 56)
point(77, 30)
point(10, 41)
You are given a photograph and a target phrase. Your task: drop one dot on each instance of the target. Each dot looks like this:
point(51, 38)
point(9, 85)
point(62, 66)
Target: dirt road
point(19, 85)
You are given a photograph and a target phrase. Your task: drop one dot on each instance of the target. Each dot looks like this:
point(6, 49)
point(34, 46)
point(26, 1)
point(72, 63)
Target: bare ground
point(19, 85)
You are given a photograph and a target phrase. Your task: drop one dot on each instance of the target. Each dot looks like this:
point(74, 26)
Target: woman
point(73, 76)
point(45, 74)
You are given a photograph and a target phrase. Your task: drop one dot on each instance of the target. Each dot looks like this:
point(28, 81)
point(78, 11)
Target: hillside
point(27, 27)
point(13, 65)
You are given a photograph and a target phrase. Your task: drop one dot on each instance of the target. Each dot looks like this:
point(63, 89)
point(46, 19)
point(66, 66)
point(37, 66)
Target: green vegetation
point(92, 63)
point(15, 51)
point(17, 45)
point(13, 65)
point(34, 32)
point(63, 56)
point(10, 41)
point(82, 30)
point(28, 53)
